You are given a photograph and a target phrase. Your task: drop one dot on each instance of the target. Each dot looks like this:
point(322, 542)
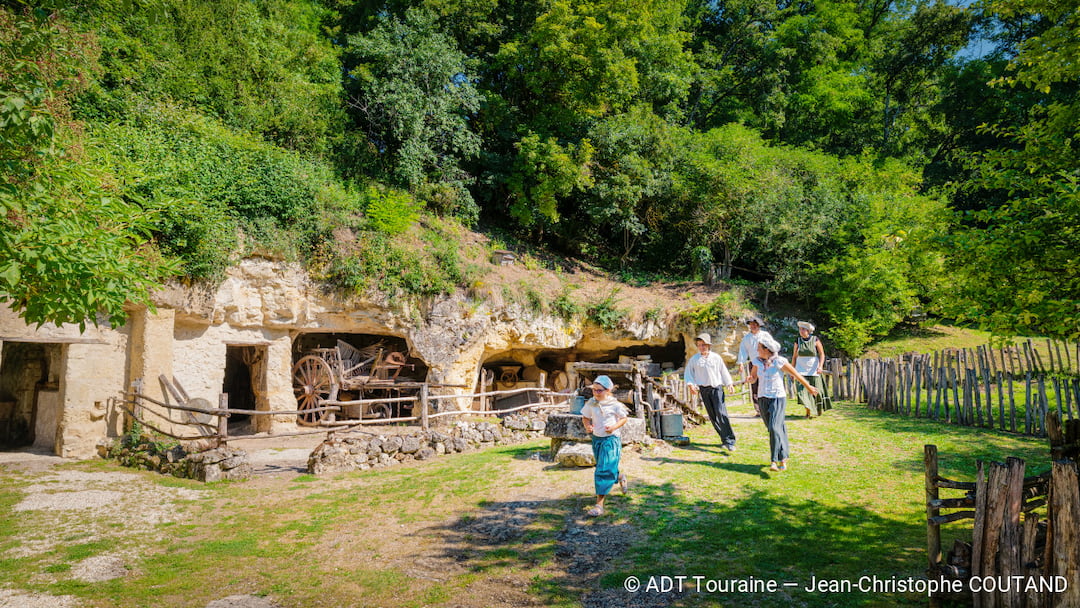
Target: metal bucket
point(671, 425)
point(576, 403)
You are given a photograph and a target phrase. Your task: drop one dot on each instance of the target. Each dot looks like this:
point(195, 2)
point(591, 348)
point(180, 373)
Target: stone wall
point(214, 464)
point(84, 370)
point(360, 453)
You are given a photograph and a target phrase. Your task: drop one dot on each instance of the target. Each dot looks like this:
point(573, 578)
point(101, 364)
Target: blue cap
point(605, 382)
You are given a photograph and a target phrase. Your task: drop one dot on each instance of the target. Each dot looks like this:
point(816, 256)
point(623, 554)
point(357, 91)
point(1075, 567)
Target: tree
point(412, 99)
point(71, 250)
point(1016, 262)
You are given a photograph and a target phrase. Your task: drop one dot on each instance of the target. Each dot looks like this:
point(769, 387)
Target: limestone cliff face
point(270, 301)
point(258, 313)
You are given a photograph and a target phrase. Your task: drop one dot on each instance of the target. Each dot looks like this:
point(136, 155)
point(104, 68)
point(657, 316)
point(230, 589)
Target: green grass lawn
point(850, 505)
point(930, 338)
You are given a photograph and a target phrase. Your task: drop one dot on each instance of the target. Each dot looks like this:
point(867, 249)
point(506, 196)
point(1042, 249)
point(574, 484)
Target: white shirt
point(709, 370)
point(748, 346)
point(604, 414)
point(771, 376)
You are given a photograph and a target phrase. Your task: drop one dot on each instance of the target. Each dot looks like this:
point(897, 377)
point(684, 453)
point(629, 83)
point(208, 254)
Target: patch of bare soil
point(21, 599)
point(59, 500)
point(508, 542)
point(585, 284)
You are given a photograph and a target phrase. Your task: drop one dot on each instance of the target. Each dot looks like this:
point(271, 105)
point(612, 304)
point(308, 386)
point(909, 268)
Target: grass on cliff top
point(850, 505)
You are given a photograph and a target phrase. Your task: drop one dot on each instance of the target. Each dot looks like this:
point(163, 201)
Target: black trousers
point(713, 398)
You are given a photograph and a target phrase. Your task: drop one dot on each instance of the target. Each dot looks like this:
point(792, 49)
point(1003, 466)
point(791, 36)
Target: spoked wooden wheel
point(313, 383)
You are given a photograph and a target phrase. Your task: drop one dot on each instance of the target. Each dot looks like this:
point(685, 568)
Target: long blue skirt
point(607, 451)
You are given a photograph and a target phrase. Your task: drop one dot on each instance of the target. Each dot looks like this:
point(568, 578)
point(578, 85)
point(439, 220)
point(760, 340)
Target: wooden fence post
point(933, 530)
point(1063, 533)
point(977, 538)
point(223, 420)
point(424, 423)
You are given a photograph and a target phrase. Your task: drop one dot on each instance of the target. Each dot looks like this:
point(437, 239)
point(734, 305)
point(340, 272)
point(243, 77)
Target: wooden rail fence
point(1024, 550)
point(212, 423)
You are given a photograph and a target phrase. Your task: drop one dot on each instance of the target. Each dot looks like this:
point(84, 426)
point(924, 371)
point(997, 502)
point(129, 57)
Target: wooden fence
point(196, 420)
point(1007, 388)
point(1024, 550)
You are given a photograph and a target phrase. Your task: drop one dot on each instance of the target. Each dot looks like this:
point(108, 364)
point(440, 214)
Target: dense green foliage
point(1017, 258)
point(841, 153)
point(72, 249)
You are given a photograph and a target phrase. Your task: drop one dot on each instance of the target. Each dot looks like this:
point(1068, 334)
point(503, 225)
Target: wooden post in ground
point(1063, 533)
point(916, 371)
point(223, 420)
point(1001, 402)
point(1028, 557)
point(1010, 486)
point(933, 531)
point(1029, 407)
point(977, 537)
point(424, 422)
point(639, 399)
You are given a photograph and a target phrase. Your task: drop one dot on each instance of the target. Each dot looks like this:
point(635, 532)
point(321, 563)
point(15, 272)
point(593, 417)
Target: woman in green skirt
point(809, 358)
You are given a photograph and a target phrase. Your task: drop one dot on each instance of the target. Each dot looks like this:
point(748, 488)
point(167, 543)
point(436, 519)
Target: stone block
point(575, 454)
point(392, 444)
point(210, 473)
point(566, 426)
point(410, 444)
point(330, 457)
point(633, 431)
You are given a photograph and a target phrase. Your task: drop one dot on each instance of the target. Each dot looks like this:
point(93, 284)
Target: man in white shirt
point(707, 373)
point(748, 350)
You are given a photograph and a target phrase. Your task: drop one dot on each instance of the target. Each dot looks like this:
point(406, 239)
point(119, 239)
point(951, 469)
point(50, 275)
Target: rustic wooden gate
point(1025, 547)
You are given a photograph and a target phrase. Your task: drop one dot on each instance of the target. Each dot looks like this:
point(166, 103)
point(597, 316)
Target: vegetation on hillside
point(844, 154)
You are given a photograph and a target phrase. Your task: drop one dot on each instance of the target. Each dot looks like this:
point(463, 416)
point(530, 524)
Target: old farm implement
point(327, 374)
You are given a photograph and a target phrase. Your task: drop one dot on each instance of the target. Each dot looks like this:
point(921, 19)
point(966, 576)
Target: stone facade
point(267, 306)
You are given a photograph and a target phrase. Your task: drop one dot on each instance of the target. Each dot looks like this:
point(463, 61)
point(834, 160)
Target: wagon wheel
point(508, 378)
point(313, 383)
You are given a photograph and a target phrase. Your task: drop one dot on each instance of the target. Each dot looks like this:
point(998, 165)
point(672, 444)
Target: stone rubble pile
point(215, 464)
point(379, 451)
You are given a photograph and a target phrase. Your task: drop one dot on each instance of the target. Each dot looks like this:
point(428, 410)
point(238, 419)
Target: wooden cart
point(322, 374)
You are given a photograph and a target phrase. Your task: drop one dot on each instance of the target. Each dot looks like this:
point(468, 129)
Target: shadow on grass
point(756, 470)
point(655, 531)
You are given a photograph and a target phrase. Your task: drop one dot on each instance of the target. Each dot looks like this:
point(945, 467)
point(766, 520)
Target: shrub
point(565, 306)
point(727, 304)
point(605, 313)
point(390, 211)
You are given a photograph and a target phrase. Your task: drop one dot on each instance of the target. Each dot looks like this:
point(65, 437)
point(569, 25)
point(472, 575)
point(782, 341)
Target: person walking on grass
point(603, 416)
point(809, 357)
point(768, 370)
point(707, 374)
point(747, 352)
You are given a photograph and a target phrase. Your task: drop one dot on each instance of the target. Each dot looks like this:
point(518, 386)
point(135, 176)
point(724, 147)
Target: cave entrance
point(31, 402)
point(353, 366)
point(246, 385)
point(524, 368)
